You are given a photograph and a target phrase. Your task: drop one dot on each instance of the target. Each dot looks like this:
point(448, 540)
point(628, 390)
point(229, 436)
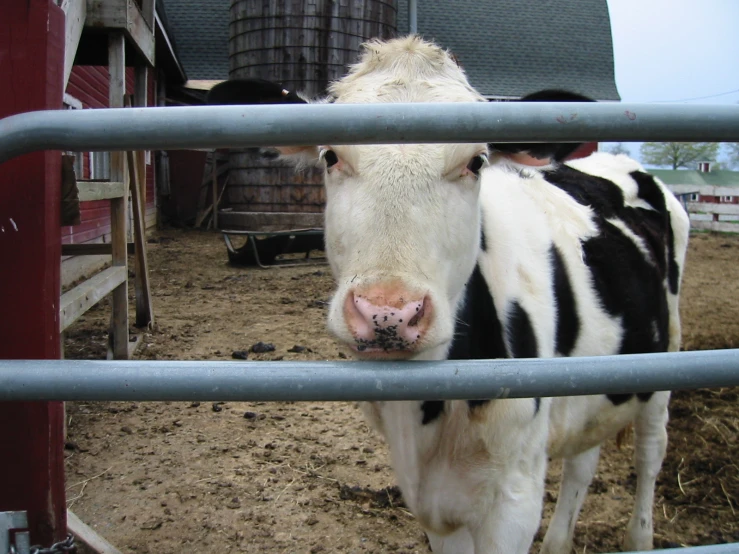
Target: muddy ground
point(173, 477)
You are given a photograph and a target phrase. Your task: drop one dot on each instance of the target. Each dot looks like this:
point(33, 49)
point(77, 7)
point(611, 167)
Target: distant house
point(711, 196)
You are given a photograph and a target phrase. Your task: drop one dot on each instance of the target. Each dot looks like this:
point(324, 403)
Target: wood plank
point(714, 208)
point(137, 175)
point(88, 536)
point(270, 221)
point(97, 190)
point(84, 296)
point(210, 163)
point(148, 9)
point(214, 188)
point(125, 16)
point(140, 32)
point(118, 206)
point(75, 12)
point(93, 249)
point(141, 77)
point(716, 226)
point(109, 14)
point(144, 310)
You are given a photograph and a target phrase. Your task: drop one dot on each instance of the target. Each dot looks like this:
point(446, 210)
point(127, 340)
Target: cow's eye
point(330, 157)
point(477, 163)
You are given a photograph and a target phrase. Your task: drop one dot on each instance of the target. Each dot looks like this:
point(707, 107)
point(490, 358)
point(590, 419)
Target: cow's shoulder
point(611, 183)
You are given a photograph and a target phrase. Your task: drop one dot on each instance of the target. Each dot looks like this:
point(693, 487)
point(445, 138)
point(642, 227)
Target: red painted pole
point(31, 433)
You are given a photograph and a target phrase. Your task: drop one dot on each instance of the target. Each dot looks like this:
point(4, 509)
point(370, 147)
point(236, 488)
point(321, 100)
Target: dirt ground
point(165, 477)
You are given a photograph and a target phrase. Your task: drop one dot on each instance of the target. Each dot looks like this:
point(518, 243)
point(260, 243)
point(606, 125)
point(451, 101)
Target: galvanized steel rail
point(269, 125)
point(248, 126)
point(144, 380)
point(732, 548)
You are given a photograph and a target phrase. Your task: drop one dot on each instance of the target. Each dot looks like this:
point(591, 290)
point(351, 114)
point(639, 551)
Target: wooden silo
point(303, 44)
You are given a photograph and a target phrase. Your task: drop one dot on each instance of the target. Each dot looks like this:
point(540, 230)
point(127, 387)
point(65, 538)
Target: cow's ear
point(555, 151)
point(251, 91)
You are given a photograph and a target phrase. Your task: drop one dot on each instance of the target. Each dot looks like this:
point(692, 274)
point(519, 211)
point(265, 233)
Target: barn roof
point(510, 48)
point(717, 178)
point(200, 29)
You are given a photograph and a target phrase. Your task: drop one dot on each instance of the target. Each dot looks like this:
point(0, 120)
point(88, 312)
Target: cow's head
point(402, 221)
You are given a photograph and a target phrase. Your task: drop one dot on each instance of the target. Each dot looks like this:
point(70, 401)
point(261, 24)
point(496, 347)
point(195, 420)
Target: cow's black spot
point(432, 410)
point(568, 322)
point(483, 242)
point(476, 403)
point(629, 287)
point(628, 283)
point(650, 192)
point(603, 196)
point(478, 334)
point(673, 269)
point(520, 333)
point(618, 399)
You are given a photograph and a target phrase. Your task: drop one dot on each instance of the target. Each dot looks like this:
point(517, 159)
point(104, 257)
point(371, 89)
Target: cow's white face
point(402, 236)
point(402, 221)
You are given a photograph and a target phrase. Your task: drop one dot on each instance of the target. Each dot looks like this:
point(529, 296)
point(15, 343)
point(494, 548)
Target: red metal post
point(31, 433)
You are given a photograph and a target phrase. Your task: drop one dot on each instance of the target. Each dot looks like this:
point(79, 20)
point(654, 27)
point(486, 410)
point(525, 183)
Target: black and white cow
point(463, 251)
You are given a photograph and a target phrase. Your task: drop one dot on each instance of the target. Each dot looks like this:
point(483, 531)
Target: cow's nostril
point(413, 322)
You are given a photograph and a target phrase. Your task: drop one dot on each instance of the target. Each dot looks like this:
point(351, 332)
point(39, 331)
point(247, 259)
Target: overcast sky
point(676, 50)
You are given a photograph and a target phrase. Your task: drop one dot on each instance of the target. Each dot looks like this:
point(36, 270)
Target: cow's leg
point(577, 473)
point(459, 542)
point(650, 444)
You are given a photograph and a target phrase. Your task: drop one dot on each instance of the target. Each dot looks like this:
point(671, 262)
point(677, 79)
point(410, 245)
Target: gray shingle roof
point(510, 48)
point(200, 29)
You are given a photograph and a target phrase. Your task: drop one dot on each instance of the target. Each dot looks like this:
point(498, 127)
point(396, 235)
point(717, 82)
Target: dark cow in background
point(463, 251)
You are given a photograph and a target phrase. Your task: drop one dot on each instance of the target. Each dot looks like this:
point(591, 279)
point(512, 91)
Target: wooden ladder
point(127, 174)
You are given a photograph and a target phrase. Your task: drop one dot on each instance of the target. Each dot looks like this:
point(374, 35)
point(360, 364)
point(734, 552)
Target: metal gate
point(248, 126)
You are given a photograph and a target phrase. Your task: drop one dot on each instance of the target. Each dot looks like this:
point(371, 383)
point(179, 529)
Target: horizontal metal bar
point(270, 125)
point(732, 548)
point(269, 381)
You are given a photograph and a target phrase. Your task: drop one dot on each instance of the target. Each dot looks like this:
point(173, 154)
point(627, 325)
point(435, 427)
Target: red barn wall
point(186, 173)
